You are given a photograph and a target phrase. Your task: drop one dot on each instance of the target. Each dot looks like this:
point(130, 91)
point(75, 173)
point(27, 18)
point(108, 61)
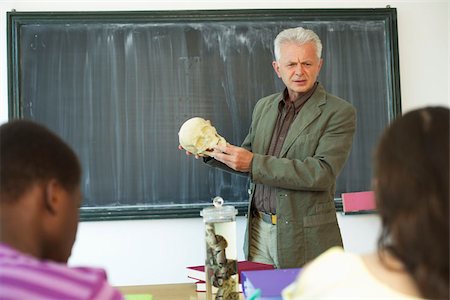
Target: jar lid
point(219, 212)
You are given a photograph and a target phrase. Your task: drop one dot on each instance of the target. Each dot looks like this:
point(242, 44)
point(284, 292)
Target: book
point(201, 287)
point(198, 272)
point(358, 202)
point(267, 284)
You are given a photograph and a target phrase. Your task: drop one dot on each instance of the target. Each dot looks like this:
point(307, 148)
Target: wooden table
point(178, 291)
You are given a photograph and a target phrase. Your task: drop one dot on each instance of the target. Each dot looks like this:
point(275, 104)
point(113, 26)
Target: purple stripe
point(107, 292)
point(15, 293)
point(18, 259)
point(47, 281)
point(25, 277)
point(96, 288)
point(37, 289)
point(77, 275)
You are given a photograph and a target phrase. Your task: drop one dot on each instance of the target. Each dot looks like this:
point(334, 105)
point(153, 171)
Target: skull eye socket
point(199, 143)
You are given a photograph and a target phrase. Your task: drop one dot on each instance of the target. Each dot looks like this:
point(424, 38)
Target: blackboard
point(118, 85)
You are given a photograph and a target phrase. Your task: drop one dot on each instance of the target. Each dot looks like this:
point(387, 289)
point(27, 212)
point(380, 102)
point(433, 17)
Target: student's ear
point(52, 196)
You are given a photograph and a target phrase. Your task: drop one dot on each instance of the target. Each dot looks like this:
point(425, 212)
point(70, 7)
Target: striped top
point(25, 277)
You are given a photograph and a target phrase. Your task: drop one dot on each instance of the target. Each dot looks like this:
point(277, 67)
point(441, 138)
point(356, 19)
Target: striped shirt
point(25, 277)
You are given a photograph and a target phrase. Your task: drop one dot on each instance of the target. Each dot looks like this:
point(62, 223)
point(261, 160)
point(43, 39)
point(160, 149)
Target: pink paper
point(358, 201)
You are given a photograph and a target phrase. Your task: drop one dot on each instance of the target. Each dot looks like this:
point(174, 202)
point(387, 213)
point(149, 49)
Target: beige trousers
point(263, 242)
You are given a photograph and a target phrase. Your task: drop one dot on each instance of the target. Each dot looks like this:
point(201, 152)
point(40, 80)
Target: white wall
point(157, 251)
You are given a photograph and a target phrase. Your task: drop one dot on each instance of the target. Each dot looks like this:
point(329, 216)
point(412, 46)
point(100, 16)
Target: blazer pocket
point(321, 232)
point(325, 207)
point(316, 220)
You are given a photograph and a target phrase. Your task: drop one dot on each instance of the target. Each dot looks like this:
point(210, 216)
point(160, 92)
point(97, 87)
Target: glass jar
point(221, 272)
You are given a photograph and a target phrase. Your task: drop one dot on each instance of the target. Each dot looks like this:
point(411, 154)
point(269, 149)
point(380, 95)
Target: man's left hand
point(237, 158)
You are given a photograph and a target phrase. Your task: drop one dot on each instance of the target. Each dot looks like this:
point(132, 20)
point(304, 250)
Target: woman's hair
point(30, 154)
point(412, 192)
point(298, 35)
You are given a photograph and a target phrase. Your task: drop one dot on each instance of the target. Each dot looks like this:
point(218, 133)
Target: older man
point(297, 144)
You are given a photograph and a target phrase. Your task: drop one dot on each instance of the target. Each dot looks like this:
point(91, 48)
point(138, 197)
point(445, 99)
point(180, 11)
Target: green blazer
point(314, 152)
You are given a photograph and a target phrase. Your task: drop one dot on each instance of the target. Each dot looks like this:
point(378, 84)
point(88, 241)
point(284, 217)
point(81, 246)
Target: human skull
point(197, 136)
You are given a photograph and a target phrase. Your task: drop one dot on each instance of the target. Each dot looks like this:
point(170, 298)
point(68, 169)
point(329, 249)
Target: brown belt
point(268, 218)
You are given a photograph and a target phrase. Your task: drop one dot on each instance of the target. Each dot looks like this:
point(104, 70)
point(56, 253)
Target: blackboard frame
point(15, 108)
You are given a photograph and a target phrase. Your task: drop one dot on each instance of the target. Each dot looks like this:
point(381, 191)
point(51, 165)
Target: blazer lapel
point(309, 112)
point(268, 126)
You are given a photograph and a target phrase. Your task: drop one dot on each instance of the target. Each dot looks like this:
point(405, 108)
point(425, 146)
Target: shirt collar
point(298, 103)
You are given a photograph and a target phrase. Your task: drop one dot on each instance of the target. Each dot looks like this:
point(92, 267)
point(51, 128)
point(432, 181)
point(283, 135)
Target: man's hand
point(189, 153)
point(237, 158)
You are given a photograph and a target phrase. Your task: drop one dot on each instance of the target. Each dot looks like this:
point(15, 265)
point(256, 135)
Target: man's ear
point(51, 196)
point(320, 64)
point(276, 68)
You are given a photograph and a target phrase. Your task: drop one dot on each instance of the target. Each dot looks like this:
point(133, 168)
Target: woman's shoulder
point(339, 274)
point(334, 258)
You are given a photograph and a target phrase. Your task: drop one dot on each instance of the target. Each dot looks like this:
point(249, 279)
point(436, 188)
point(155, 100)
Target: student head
point(412, 191)
point(298, 60)
point(39, 191)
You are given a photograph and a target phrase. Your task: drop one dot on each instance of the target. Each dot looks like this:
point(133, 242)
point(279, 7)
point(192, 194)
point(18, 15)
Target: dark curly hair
point(412, 192)
point(29, 154)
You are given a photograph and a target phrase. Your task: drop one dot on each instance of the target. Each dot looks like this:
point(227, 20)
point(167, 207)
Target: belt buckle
point(273, 218)
point(268, 218)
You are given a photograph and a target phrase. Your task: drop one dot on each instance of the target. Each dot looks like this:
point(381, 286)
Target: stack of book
point(197, 273)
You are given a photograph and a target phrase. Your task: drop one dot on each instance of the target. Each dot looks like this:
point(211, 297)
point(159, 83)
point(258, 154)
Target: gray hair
point(298, 35)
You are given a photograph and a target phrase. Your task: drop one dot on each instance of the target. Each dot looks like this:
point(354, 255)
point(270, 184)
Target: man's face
point(298, 67)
